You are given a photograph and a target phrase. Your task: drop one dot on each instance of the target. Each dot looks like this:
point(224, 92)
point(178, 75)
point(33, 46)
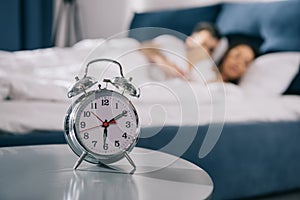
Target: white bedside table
point(45, 172)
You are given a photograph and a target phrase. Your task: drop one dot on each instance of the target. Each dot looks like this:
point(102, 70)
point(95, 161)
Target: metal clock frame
point(69, 124)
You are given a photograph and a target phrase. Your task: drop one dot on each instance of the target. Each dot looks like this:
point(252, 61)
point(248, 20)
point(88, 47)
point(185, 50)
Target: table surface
point(45, 172)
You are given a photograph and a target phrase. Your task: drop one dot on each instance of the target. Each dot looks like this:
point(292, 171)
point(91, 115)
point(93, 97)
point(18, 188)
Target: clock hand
point(104, 136)
point(91, 128)
point(104, 123)
point(97, 117)
point(113, 120)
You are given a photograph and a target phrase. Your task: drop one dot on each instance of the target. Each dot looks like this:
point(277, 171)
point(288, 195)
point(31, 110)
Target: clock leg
point(78, 162)
point(130, 161)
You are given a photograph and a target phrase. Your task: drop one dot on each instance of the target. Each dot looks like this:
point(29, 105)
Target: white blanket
point(20, 117)
point(46, 74)
point(37, 82)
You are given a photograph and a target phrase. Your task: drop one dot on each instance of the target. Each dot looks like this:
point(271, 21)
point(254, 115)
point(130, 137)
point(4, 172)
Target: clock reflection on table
point(90, 184)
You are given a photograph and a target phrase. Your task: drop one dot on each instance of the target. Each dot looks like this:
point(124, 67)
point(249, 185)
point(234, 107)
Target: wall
point(98, 19)
point(104, 17)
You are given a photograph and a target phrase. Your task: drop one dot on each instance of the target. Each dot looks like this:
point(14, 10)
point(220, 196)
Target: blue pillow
point(240, 18)
point(182, 21)
point(276, 22)
point(280, 26)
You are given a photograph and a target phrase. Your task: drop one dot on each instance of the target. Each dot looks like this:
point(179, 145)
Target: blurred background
point(30, 24)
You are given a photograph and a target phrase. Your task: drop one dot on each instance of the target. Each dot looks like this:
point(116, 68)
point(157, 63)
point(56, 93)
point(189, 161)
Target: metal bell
point(126, 85)
point(81, 85)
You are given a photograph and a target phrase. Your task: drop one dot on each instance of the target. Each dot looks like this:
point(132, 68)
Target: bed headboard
point(181, 20)
point(276, 22)
point(141, 6)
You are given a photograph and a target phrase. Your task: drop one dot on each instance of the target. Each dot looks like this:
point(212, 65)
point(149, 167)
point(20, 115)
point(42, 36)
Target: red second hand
point(97, 117)
point(91, 128)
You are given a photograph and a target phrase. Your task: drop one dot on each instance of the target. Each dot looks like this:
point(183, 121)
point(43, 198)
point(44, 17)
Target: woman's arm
point(154, 55)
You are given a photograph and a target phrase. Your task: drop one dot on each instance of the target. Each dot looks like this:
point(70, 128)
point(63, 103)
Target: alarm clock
point(102, 125)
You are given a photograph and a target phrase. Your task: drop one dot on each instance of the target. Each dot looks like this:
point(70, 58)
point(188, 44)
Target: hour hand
point(104, 137)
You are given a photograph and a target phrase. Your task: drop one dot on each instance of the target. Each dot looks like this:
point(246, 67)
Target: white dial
point(106, 123)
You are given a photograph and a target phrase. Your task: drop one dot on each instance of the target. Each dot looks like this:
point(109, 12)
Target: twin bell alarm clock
point(102, 125)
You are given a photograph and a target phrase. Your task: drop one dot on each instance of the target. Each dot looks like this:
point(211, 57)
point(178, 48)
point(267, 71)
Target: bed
point(254, 147)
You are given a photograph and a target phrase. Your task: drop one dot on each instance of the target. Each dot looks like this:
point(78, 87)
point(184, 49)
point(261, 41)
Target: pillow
point(276, 22)
point(271, 74)
point(182, 21)
point(280, 26)
point(240, 18)
point(294, 87)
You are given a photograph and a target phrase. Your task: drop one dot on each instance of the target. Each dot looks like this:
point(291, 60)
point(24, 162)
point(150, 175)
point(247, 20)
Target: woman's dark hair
point(220, 63)
point(209, 27)
point(253, 42)
point(238, 39)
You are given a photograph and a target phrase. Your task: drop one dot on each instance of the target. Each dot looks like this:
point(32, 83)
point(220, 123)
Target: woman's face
point(236, 62)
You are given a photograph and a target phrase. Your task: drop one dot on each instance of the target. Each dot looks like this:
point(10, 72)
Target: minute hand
point(117, 117)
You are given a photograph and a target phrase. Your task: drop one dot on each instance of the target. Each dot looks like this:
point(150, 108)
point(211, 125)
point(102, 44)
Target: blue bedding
point(32, 138)
point(250, 159)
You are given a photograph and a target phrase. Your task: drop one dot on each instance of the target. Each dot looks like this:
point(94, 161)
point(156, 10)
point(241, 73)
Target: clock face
point(106, 123)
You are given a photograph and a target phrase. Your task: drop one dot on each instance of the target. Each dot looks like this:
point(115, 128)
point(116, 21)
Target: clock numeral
point(93, 105)
point(86, 136)
point(94, 143)
point(105, 102)
point(128, 124)
point(105, 146)
point(124, 113)
point(86, 114)
point(117, 106)
point(124, 135)
point(82, 124)
point(117, 143)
